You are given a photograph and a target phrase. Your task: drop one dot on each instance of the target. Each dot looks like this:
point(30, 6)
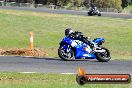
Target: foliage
point(109, 4)
point(125, 3)
point(117, 4)
point(127, 9)
point(77, 2)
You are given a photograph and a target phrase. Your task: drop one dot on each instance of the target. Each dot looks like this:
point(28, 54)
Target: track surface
point(84, 13)
point(50, 65)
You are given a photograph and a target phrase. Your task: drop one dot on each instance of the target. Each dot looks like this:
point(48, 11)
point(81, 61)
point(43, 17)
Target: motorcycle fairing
point(66, 40)
point(98, 40)
point(81, 53)
point(79, 48)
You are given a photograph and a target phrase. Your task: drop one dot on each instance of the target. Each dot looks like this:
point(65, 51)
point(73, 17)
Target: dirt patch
point(1, 51)
point(24, 52)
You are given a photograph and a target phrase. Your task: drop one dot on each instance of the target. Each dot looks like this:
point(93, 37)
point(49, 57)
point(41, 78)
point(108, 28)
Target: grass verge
point(49, 30)
point(19, 80)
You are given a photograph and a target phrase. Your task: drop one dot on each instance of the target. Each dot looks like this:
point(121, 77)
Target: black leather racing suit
point(80, 36)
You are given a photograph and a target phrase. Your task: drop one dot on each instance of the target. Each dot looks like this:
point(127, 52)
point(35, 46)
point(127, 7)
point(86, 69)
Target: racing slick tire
point(103, 56)
point(66, 55)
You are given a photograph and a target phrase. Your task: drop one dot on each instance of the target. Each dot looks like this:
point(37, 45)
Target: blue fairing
point(98, 40)
point(79, 49)
point(80, 52)
point(66, 40)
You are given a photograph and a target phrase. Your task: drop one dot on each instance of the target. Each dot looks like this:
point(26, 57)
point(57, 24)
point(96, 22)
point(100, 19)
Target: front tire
point(89, 14)
point(103, 56)
point(99, 14)
point(66, 55)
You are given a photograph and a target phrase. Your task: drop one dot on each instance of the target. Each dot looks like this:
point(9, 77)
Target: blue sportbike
point(74, 49)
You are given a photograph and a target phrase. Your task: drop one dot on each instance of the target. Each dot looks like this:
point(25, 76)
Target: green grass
point(49, 30)
point(19, 80)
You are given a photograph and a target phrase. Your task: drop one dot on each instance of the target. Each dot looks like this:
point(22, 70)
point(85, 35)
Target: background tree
point(109, 4)
point(77, 2)
point(125, 3)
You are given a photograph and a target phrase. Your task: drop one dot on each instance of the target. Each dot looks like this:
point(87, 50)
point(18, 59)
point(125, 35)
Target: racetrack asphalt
point(72, 12)
point(51, 65)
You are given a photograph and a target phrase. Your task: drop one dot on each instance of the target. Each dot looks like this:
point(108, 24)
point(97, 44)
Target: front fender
point(99, 40)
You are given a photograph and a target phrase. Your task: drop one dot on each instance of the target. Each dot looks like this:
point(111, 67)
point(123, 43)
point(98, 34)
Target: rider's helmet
point(68, 31)
point(92, 5)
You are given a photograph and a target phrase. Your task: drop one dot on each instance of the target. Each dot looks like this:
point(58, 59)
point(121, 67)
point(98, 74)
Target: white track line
point(27, 72)
point(67, 73)
point(38, 72)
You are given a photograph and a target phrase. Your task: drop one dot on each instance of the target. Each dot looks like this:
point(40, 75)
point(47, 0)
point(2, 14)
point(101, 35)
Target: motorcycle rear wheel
point(104, 56)
point(66, 55)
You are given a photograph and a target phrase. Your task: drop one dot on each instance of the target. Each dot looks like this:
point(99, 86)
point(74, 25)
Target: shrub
point(109, 4)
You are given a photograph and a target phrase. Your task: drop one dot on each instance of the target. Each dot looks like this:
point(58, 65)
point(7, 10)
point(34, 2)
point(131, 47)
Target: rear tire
point(66, 55)
point(103, 57)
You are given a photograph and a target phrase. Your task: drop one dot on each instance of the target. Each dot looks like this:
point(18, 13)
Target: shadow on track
point(58, 59)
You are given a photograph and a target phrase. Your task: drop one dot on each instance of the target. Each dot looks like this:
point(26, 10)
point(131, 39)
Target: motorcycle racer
point(93, 10)
point(75, 45)
point(78, 36)
point(93, 7)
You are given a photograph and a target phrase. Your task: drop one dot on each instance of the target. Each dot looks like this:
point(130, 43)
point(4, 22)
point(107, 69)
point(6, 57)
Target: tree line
point(118, 4)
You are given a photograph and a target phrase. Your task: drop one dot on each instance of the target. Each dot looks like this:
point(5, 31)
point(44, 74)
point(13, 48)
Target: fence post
point(31, 40)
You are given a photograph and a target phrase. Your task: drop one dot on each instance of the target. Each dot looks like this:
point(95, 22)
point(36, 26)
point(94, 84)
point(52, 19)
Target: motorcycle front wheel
point(103, 56)
point(64, 55)
point(99, 14)
point(90, 14)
